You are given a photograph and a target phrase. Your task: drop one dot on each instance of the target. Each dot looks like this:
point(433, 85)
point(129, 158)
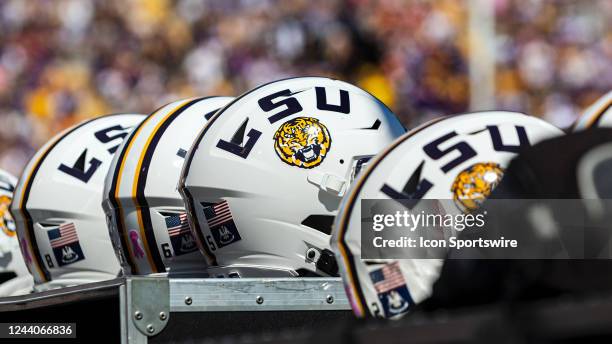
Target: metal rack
point(158, 309)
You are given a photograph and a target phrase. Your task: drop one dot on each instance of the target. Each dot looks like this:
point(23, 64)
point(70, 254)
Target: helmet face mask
point(460, 159)
point(146, 215)
point(60, 223)
point(265, 178)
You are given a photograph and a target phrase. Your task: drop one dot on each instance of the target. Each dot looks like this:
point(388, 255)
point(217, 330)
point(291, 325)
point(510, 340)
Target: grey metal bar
point(254, 294)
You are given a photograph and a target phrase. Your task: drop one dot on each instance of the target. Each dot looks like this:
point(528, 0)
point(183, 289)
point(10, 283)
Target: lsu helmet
point(597, 115)
point(57, 204)
point(145, 212)
point(459, 159)
point(561, 220)
point(265, 177)
point(14, 276)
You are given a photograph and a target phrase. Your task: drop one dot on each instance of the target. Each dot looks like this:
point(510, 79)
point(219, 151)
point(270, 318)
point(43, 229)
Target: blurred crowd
point(65, 60)
point(554, 58)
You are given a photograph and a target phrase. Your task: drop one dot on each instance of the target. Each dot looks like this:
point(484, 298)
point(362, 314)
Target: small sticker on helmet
point(65, 244)
point(303, 142)
point(391, 289)
point(6, 221)
point(180, 236)
point(221, 223)
point(474, 184)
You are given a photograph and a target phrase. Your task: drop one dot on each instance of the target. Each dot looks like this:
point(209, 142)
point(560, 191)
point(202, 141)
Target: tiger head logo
point(6, 221)
point(474, 184)
point(303, 142)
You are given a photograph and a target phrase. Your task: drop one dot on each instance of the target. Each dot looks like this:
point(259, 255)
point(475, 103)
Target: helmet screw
point(150, 328)
point(329, 299)
point(259, 300)
point(188, 300)
point(163, 316)
point(311, 253)
point(138, 315)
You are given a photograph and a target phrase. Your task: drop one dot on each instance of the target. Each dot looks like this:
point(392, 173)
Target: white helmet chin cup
point(60, 223)
point(14, 276)
point(265, 177)
point(144, 210)
point(598, 115)
point(439, 154)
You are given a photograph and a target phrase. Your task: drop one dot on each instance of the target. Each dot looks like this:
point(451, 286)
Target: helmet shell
point(57, 204)
point(266, 175)
point(145, 211)
point(16, 279)
point(599, 114)
point(459, 158)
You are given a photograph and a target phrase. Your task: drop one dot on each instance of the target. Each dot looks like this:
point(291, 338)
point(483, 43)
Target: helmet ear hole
point(6, 276)
point(321, 223)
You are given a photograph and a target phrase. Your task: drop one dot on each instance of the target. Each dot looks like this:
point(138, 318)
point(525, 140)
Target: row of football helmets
point(264, 185)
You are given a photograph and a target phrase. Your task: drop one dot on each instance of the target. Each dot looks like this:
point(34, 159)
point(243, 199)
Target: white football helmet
point(145, 212)
point(597, 115)
point(459, 158)
point(265, 177)
point(57, 204)
point(14, 276)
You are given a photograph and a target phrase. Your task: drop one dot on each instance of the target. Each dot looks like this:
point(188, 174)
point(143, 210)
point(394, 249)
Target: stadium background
point(65, 60)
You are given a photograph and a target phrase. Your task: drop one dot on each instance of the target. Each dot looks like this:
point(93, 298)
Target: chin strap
point(328, 182)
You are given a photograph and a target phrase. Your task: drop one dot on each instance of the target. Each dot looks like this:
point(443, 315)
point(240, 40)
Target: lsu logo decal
point(6, 221)
point(303, 142)
point(474, 184)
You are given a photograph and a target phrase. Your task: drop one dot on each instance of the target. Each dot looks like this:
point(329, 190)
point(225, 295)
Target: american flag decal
point(180, 236)
point(221, 224)
point(391, 288)
point(390, 278)
point(177, 224)
point(67, 235)
point(65, 244)
point(220, 214)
